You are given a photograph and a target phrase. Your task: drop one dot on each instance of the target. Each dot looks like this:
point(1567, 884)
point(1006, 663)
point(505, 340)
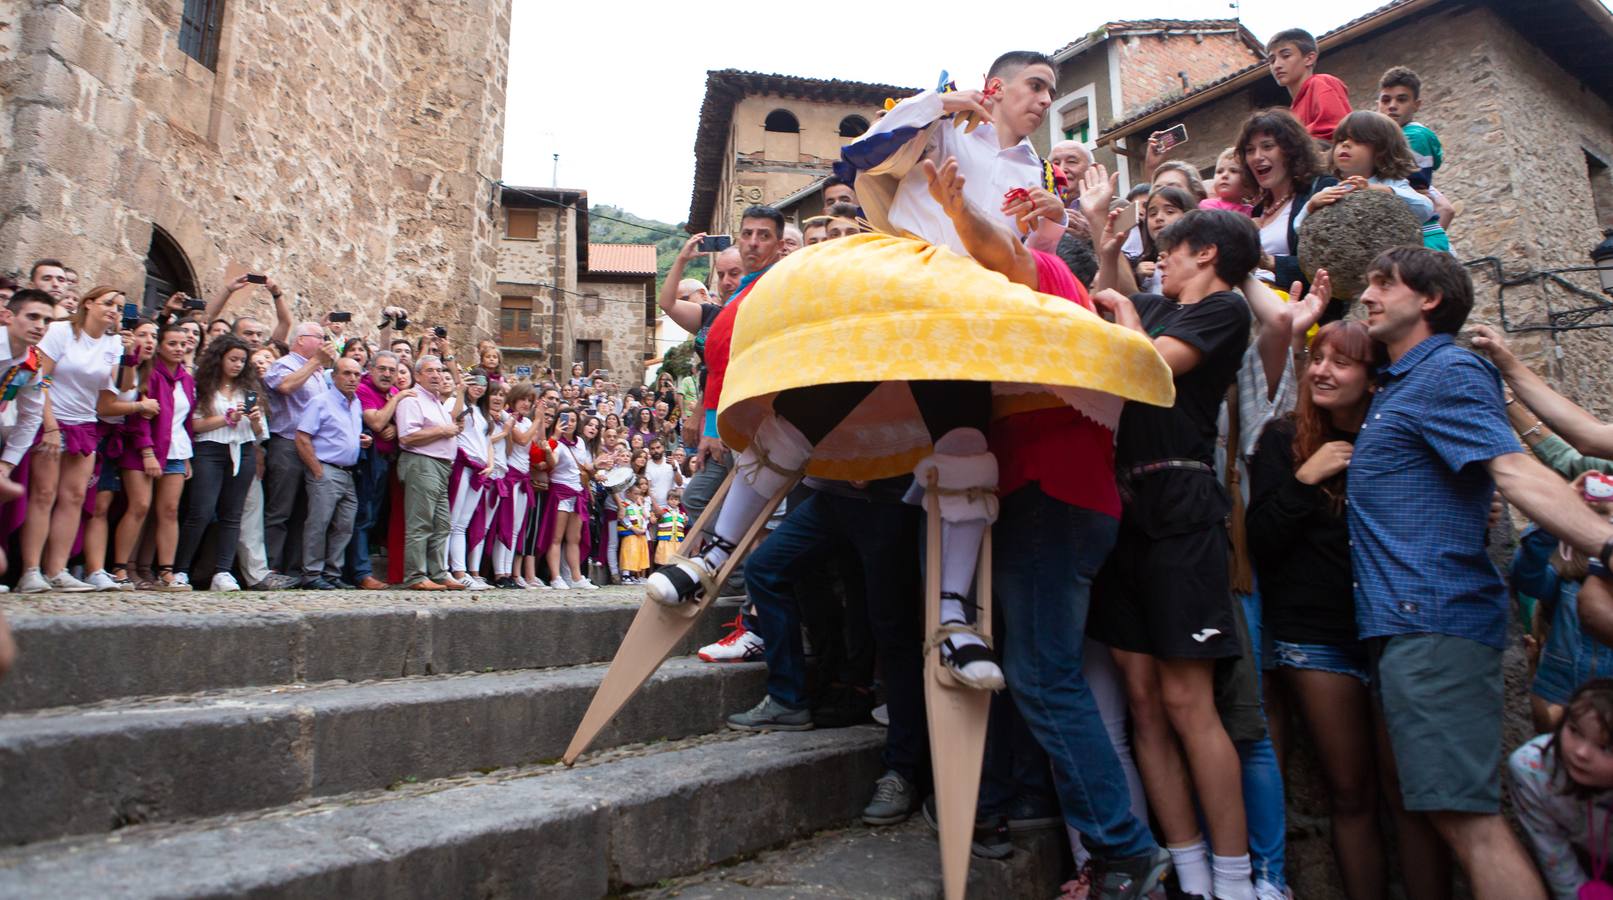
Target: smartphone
point(131, 315)
point(256, 279)
point(341, 317)
point(715, 243)
point(195, 303)
point(1128, 217)
point(440, 331)
point(251, 400)
point(1170, 137)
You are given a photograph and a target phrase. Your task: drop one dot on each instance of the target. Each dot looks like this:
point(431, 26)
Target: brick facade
point(349, 151)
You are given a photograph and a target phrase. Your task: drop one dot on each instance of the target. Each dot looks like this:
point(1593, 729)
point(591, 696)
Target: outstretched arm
point(990, 244)
point(1578, 427)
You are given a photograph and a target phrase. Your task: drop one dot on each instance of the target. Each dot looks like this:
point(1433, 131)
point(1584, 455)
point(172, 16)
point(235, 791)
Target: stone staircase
point(352, 744)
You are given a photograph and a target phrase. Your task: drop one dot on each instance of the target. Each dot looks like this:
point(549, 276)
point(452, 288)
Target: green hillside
point(667, 238)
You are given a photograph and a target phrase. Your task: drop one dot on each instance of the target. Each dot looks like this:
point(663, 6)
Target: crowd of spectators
point(1300, 541)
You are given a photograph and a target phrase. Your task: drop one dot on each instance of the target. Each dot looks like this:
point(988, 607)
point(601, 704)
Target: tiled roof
point(726, 87)
point(1109, 29)
point(621, 259)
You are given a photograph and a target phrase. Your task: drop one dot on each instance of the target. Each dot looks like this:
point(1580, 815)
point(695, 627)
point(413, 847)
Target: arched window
point(167, 271)
point(853, 126)
point(782, 121)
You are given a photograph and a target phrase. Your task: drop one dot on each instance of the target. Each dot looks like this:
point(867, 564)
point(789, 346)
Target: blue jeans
point(1263, 799)
point(886, 538)
point(371, 490)
point(1047, 554)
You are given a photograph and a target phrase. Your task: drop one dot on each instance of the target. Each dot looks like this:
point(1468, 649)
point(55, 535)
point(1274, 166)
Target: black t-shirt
point(1178, 501)
point(1300, 544)
point(708, 314)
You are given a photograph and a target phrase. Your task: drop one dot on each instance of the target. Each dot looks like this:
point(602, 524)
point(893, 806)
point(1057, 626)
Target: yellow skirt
point(633, 553)
point(878, 308)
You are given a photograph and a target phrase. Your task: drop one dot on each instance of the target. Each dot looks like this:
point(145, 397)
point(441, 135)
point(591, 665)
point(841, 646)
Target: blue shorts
point(111, 477)
point(1339, 659)
point(174, 467)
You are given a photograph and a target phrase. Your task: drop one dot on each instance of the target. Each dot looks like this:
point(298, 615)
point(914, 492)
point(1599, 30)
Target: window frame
point(201, 23)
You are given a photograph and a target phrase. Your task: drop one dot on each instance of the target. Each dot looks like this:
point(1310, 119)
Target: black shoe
point(1034, 814)
point(318, 584)
point(843, 706)
point(507, 583)
point(991, 838)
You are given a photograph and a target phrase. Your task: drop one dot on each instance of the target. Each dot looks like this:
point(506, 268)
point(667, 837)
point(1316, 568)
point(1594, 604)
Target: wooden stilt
point(658, 628)
point(957, 714)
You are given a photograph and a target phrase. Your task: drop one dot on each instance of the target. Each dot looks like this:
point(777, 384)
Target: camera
point(339, 316)
point(397, 323)
point(440, 331)
point(195, 303)
point(252, 278)
point(715, 243)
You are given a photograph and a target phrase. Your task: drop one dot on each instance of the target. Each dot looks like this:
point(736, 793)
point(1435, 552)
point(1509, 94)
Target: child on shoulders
point(1230, 192)
point(1399, 98)
point(1370, 153)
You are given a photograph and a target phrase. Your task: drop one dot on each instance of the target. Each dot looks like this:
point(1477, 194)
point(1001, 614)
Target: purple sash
point(551, 502)
point(476, 529)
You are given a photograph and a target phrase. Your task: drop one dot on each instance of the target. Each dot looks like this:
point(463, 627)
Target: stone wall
point(771, 166)
point(349, 150)
point(617, 320)
point(527, 268)
point(1151, 65)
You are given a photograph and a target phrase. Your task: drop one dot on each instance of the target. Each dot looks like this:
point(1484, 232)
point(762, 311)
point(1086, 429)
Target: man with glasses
point(379, 396)
point(293, 382)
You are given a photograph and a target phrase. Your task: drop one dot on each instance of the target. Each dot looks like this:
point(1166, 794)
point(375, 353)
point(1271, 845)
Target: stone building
point(763, 138)
point(561, 298)
point(348, 150)
point(1521, 96)
point(1122, 67)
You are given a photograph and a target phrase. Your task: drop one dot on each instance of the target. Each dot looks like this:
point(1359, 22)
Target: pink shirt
point(424, 410)
point(1242, 209)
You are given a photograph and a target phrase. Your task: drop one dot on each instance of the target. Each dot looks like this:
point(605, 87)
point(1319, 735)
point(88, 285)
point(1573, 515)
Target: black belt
point(351, 470)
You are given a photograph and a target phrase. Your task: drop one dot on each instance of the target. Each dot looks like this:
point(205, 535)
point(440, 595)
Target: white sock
point(1192, 863)
point(739, 510)
point(1233, 877)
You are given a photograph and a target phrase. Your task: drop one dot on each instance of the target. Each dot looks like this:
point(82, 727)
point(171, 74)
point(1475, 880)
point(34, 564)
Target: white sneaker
point(485, 584)
point(102, 581)
point(1265, 890)
point(224, 581)
point(32, 582)
point(181, 578)
point(521, 583)
point(740, 645)
point(66, 583)
point(584, 584)
point(559, 585)
point(882, 714)
point(472, 583)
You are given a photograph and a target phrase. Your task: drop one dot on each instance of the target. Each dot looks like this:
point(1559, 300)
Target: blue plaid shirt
point(1419, 498)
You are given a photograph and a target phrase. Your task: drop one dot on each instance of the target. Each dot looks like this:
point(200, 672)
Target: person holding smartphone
point(226, 427)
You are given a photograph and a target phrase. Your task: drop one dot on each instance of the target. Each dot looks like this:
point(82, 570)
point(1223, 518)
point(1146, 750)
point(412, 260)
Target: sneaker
point(1034, 814)
point(740, 645)
point(182, 578)
point(170, 586)
point(771, 715)
point(66, 583)
point(32, 582)
point(842, 706)
point(559, 585)
point(102, 580)
point(1266, 890)
point(472, 583)
point(895, 798)
point(991, 838)
point(678, 583)
point(1130, 879)
point(224, 581)
point(882, 715)
point(584, 584)
point(521, 583)
point(275, 581)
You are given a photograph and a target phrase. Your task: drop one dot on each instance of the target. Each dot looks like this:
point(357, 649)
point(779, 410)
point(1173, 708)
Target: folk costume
point(892, 365)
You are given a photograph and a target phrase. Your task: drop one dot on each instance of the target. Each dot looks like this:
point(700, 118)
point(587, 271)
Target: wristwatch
point(448, 358)
point(1607, 548)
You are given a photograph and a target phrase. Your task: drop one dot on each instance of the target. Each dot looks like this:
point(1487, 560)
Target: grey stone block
point(357, 645)
point(568, 834)
point(87, 771)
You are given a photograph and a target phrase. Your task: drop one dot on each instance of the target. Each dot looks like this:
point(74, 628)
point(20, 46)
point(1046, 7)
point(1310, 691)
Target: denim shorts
point(1339, 659)
point(111, 477)
point(174, 467)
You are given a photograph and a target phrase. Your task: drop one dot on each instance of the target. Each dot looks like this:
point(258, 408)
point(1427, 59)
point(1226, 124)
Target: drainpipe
point(554, 312)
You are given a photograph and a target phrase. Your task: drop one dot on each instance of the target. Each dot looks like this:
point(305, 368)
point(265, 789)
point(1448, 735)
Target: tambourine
point(618, 478)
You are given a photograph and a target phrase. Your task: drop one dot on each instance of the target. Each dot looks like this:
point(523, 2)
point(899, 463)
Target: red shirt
point(1321, 102)
point(719, 340)
point(1068, 454)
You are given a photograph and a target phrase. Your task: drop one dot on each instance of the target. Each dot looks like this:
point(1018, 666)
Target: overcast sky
point(615, 87)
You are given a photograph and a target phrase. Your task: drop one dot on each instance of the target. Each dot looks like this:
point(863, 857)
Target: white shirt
point(129, 396)
point(19, 421)
point(473, 437)
point(84, 367)
point(179, 446)
point(234, 436)
point(661, 475)
point(989, 172)
point(1274, 234)
point(501, 456)
point(520, 459)
point(566, 458)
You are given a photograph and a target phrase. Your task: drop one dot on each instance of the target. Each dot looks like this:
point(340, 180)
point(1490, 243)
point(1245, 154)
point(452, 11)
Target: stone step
point(902, 862)
point(615, 822)
point(87, 770)
point(81, 648)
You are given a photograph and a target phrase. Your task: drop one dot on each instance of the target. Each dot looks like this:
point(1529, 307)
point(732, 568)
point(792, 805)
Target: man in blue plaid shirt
point(1431, 606)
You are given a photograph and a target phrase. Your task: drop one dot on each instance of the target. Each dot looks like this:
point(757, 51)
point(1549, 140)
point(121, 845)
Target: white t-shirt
point(566, 458)
point(239, 433)
point(1274, 234)
point(473, 437)
point(129, 396)
point(520, 459)
point(661, 476)
point(501, 456)
point(179, 439)
point(84, 368)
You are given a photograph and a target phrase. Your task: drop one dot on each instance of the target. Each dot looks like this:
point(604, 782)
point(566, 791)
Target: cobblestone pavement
point(18, 606)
